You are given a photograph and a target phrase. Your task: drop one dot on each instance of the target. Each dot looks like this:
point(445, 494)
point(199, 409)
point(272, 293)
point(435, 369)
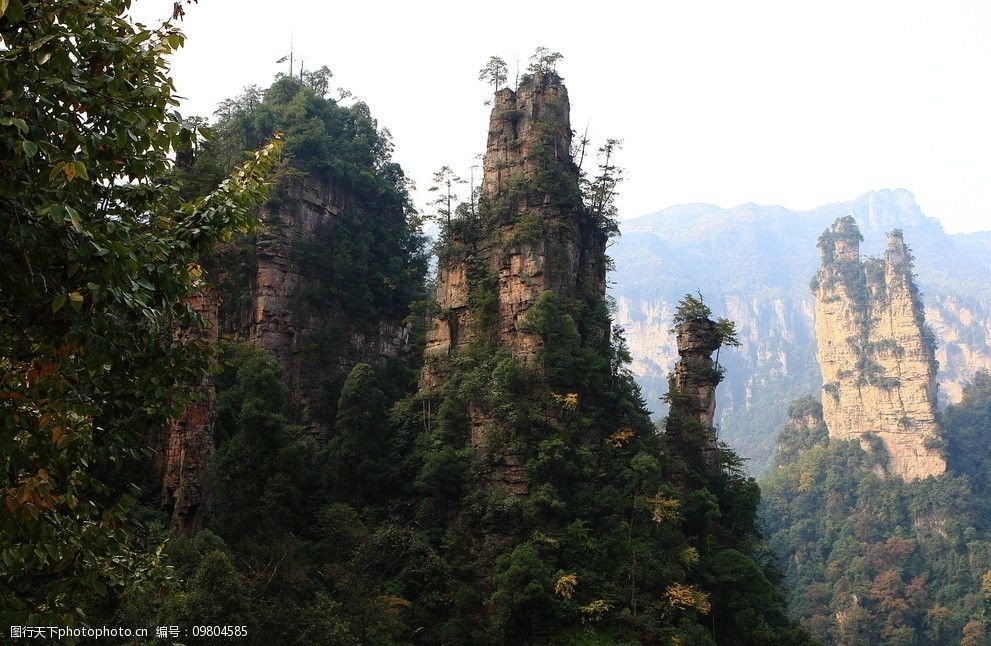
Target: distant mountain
point(753, 264)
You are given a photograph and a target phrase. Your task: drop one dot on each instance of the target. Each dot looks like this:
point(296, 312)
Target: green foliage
point(331, 142)
point(261, 462)
point(358, 455)
point(315, 558)
point(726, 329)
point(844, 229)
point(217, 596)
point(746, 608)
point(805, 430)
point(445, 185)
point(599, 513)
point(360, 267)
point(483, 299)
point(901, 562)
point(966, 427)
point(99, 251)
point(599, 192)
point(543, 60)
point(689, 309)
point(523, 596)
point(560, 350)
point(494, 72)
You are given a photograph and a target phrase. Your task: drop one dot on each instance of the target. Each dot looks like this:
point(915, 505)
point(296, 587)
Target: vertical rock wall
point(262, 289)
point(275, 324)
point(875, 352)
point(277, 299)
point(691, 435)
point(183, 452)
point(534, 232)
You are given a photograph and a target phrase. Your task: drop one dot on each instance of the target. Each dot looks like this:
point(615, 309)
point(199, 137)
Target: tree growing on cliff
point(358, 454)
point(318, 80)
point(494, 72)
point(98, 251)
point(600, 190)
point(543, 60)
point(446, 183)
point(690, 308)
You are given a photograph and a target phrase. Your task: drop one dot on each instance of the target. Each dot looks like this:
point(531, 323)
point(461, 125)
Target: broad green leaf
point(80, 169)
point(74, 218)
point(20, 124)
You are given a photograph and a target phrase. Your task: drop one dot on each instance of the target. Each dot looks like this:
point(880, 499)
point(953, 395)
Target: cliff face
point(692, 394)
point(535, 237)
point(182, 454)
point(293, 314)
point(275, 290)
point(875, 352)
point(962, 324)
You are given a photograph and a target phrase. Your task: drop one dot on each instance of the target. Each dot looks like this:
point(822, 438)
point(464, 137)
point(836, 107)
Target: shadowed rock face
point(875, 351)
point(690, 432)
point(182, 452)
point(261, 298)
point(276, 319)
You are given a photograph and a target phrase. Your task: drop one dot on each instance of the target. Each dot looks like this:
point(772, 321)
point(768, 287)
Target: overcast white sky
point(792, 103)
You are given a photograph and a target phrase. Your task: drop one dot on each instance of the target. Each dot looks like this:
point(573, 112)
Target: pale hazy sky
point(792, 103)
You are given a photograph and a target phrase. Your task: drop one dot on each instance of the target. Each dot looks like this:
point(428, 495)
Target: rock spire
point(531, 233)
point(691, 434)
point(876, 352)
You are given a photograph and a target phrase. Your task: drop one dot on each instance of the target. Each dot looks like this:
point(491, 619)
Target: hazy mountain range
point(753, 263)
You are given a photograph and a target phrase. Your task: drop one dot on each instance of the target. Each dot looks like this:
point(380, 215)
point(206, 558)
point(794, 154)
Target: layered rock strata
point(272, 294)
point(277, 297)
point(876, 354)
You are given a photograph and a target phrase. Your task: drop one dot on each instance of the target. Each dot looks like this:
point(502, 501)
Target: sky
point(791, 103)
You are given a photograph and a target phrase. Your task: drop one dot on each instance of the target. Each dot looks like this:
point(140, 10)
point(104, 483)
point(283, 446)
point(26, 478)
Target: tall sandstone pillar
point(875, 352)
point(532, 233)
point(691, 433)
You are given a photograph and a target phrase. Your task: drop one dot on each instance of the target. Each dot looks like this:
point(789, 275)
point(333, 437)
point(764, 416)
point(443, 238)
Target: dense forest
point(872, 559)
point(362, 509)
point(244, 396)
